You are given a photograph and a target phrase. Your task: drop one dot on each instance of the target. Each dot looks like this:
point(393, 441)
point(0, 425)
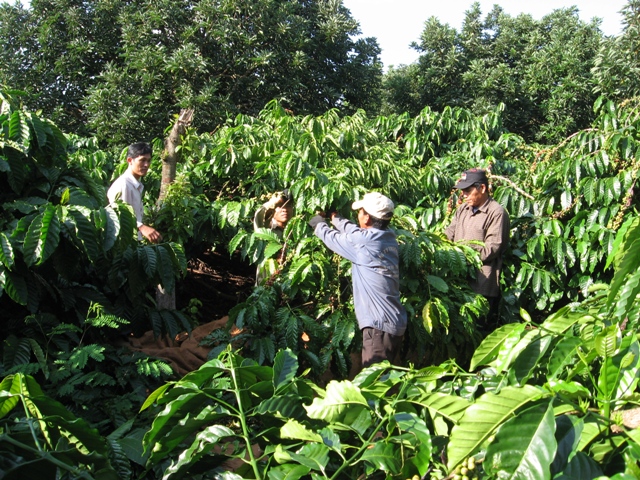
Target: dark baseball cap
point(469, 177)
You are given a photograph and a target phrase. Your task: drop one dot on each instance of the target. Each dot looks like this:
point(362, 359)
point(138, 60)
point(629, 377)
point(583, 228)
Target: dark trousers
point(378, 346)
point(493, 316)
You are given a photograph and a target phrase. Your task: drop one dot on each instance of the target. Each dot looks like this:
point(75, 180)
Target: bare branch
point(514, 186)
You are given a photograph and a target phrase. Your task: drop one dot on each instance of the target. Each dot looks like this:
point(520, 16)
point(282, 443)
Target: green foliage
point(564, 373)
point(55, 51)
point(270, 323)
point(580, 193)
point(487, 412)
point(586, 357)
point(539, 69)
point(401, 90)
point(329, 161)
point(62, 253)
point(616, 65)
point(123, 69)
point(101, 381)
point(46, 440)
point(539, 402)
point(348, 430)
point(175, 217)
point(565, 203)
point(61, 247)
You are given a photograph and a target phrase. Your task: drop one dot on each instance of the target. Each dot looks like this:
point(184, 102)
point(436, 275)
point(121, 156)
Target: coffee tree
point(73, 278)
point(562, 364)
point(566, 203)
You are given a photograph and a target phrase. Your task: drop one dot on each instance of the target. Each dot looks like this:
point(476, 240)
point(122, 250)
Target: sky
point(397, 23)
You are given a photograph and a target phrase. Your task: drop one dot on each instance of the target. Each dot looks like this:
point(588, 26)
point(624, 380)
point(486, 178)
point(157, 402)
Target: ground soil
point(218, 280)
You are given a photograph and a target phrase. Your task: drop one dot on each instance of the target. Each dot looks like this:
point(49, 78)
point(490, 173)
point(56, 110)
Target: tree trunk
point(170, 158)
point(171, 154)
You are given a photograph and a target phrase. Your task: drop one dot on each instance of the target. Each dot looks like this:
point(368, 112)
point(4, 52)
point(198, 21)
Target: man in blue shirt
point(373, 251)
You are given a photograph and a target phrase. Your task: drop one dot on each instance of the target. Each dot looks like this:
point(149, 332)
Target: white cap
point(375, 204)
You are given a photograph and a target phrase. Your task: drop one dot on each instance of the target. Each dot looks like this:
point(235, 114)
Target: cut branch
point(514, 186)
point(170, 158)
point(171, 153)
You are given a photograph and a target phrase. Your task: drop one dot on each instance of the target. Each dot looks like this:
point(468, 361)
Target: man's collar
point(137, 183)
point(483, 208)
point(485, 205)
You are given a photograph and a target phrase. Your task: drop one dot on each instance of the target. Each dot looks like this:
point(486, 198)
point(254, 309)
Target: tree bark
point(170, 158)
point(171, 154)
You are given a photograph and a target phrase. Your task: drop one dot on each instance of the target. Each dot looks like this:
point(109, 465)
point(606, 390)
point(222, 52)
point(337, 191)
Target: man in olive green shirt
point(482, 219)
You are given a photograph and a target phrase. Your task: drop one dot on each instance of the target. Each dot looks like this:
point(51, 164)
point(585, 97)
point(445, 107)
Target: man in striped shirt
point(481, 219)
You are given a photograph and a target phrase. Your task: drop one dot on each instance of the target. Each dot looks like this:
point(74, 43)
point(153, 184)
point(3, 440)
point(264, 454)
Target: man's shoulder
point(117, 185)
point(127, 179)
point(118, 181)
point(377, 235)
point(493, 206)
point(124, 183)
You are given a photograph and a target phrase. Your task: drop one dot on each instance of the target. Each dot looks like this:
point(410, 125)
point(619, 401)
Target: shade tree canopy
point(122, 69)
point(540, 70)
point(617, 65)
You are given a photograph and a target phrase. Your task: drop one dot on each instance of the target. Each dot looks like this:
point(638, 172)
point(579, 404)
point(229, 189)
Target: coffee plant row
point(543, 396)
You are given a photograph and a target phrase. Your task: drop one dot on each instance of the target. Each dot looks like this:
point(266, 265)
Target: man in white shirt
point(128, 188)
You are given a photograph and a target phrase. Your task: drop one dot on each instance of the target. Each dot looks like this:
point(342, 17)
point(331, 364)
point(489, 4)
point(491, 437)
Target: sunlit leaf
point(524, 446)
point(341, 399)
point(482, 419)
